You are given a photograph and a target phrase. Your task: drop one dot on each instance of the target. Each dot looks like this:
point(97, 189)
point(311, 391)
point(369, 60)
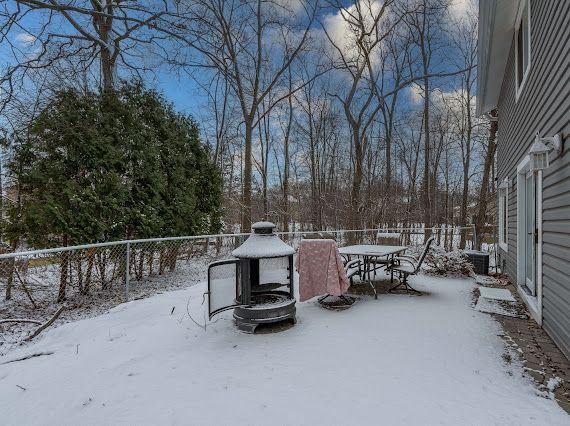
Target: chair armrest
point(405, 259)
point(353, 264)
point(409, 256)
point(354, 267)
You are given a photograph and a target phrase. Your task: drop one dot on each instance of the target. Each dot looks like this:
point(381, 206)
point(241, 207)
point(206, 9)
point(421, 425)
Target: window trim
point(504, 208)
point(519, 88)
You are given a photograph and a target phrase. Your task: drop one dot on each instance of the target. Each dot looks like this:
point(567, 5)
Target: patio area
point(401, 359)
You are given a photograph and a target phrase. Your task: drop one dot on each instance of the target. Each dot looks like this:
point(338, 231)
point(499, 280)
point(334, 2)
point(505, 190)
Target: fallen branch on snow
point(45, 325)
point(4, 321)
point(35, 355)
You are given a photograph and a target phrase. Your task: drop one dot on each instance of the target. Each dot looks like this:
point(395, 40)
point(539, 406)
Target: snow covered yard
point(396, 360)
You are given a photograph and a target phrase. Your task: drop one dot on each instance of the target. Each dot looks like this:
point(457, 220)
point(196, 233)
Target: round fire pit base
point(280, 308)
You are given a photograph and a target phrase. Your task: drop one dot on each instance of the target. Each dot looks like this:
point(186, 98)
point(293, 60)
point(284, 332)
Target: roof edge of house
point(496, 29)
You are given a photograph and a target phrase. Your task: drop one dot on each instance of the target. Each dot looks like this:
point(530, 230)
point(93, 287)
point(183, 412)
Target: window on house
point(522, 45)
point(503, 218)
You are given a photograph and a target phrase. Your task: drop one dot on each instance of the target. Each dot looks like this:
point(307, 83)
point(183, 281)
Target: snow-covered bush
point(440, 262)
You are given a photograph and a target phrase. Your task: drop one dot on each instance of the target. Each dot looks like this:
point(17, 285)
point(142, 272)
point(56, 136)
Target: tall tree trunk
point(315, 190)
point(63, 271)
point(11, 269)
point(464, 201)
point(484, 191)
point(286, 162)
point(356, 182)
point(425, 51)
point(247, 170)
point(104, 27)
point(286, 217)
point(426, 179)
point(446, 199)
point(466, 167)
point(107, 69)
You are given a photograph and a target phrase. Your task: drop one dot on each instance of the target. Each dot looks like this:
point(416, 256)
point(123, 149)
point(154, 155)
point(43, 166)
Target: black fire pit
point(257, 284)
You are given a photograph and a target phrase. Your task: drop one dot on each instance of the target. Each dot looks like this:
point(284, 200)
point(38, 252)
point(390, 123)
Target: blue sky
point(184, 92)
point(181, 90)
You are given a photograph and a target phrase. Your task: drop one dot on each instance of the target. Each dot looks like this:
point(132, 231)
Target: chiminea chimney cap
point(263, 243)
point(263, 227)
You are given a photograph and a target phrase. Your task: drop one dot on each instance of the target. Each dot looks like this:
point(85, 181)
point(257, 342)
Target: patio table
point(372, 251)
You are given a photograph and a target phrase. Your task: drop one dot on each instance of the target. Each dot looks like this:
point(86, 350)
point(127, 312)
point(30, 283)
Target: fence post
point(127, 270)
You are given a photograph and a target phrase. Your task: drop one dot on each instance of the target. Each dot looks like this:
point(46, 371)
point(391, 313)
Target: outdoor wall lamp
point(541, 150)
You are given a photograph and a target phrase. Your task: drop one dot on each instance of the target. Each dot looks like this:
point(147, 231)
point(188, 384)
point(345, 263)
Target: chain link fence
point(61, 273)
point(93, 278)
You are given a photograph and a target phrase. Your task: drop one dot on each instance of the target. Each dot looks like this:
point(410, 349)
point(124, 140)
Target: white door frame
point(534, 303)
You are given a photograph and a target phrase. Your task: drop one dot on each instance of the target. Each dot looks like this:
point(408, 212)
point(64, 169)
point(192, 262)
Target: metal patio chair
point(352, 268)
point(388, 239)
point(406, 265)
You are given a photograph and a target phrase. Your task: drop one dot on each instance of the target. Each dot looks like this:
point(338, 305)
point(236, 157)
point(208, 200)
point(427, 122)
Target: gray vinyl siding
point(543, 106)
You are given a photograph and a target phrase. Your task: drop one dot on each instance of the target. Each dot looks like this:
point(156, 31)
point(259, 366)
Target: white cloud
point(461, 9)
point(342, 30)
point(454, 99)
point(415, 94)
point(25, 39)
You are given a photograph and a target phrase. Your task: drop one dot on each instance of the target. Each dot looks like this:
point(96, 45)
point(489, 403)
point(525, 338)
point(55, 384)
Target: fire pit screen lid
point(263, 243)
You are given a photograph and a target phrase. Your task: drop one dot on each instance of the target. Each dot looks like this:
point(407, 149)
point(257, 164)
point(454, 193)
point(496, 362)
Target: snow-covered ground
point(396, 360)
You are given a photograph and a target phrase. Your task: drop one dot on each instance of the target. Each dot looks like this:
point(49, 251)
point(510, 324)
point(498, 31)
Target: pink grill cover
point(320, 269)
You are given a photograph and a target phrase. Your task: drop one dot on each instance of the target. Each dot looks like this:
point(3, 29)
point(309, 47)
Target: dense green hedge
point(100, 167)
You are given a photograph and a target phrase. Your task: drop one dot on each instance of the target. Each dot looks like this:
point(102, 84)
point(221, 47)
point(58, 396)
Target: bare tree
point(465, 41)
point(486, 179)
point(286, 153)
point(408, 144)
point(398, 48)
point(262, 162)
point(98, 37)
point(422, 23)
point(357, 54)
point(319, 131)
point(252, 43)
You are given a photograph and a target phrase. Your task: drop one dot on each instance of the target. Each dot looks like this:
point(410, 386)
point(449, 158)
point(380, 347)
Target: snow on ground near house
point(496, 294)
point(396, 360)
point(499, 307)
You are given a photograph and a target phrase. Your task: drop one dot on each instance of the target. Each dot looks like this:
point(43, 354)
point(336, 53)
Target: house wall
point(543, 106)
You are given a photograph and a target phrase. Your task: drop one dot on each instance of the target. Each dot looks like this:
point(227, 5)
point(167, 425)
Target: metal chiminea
point(257, 284)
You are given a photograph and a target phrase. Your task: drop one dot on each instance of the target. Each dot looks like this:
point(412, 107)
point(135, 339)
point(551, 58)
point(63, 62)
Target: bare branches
point(104, 38)
point(253, 46)
point(46, 324)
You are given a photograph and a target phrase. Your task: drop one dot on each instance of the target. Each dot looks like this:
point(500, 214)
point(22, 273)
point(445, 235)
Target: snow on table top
point(371, 250)
point(496, 294)
point(419, 360)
